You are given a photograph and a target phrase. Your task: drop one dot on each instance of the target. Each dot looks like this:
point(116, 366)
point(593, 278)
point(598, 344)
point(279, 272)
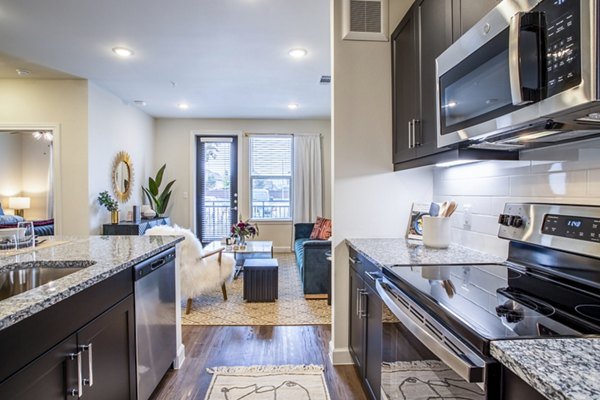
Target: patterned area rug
point(291, 308)
point(289, 382)
point(425, 380)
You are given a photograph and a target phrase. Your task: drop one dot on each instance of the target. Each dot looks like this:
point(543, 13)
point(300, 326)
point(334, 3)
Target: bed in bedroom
point(40, 227)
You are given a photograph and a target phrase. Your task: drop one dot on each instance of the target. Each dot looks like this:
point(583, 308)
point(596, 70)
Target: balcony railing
point(271, 210)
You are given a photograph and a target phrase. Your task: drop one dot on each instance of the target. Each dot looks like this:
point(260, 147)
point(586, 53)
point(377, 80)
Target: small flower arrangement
point(243, 230)
point(106, 200)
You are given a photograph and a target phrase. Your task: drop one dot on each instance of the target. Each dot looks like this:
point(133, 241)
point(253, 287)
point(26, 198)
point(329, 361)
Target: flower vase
point(241, 240)
point(114, 217)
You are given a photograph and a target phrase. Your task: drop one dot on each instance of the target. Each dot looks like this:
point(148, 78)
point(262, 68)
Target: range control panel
point(573, 228)
point(581, 228)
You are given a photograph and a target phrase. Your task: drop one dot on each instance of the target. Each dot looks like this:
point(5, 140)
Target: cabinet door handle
point(410, 145)
point(90, 379)
point(358, 302)
point(416, 138)
point(77, 392)
point(362, 313)
point(354, 260)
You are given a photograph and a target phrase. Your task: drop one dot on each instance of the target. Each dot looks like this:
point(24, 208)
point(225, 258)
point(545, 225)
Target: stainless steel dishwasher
point(154, 288)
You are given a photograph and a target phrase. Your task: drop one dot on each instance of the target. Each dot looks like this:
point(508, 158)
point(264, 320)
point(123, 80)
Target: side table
point(134, 228)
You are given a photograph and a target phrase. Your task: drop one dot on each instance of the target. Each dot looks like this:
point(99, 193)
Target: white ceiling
point(227, 58)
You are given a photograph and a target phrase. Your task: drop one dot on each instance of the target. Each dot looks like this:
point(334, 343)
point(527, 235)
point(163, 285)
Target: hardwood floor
point(211, 346)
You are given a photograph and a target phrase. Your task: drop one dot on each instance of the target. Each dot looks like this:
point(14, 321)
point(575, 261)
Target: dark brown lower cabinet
point(365, 325)
point(96, 362)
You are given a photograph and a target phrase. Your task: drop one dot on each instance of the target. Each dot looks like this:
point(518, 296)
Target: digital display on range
point(581, 228)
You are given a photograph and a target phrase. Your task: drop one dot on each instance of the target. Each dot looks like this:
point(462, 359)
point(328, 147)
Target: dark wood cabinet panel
point(51, 376)
point(357, 331)
point(365, 324)
point(111, 361)
point(468, 12)
point(435, 33)
point(373, 343)
point(405, 86)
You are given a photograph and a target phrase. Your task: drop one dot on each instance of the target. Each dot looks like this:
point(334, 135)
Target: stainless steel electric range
point(440, 320)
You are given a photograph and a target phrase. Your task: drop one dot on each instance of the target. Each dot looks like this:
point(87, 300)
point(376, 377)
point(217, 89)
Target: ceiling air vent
point(365, 20)
point(325, 80)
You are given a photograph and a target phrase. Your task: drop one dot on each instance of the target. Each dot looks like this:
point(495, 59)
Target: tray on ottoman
point(260, 279)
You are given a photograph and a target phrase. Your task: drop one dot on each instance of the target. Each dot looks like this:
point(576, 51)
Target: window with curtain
point(271, 177)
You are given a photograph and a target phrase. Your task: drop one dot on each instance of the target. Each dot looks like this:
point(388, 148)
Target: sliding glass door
point(216, 186)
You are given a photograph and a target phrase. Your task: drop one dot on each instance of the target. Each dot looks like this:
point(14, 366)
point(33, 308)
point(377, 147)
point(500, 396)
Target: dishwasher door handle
point(157, 264)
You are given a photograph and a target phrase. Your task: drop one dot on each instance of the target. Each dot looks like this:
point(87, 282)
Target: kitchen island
point(66, 301)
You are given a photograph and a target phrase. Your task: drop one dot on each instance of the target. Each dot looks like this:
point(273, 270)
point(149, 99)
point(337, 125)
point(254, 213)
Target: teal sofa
point(313, 266)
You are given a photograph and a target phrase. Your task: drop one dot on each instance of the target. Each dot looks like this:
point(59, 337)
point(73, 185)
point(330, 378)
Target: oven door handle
point(470, 367)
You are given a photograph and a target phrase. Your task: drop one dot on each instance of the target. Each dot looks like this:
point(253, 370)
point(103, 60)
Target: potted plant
point(158, 201)
point(243, 230)
point(111, 205)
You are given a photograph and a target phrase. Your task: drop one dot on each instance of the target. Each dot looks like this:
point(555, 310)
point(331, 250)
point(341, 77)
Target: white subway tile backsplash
point(593, 182)
point(487, 186)
point(573, 183)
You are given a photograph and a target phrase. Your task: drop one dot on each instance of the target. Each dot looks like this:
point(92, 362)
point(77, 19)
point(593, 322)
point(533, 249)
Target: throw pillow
point(1, 210)
point(321, 230)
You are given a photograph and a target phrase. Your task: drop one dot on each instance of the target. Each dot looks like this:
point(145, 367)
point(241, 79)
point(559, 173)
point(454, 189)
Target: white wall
point(370, 200)
point(173, 147)
point(35, 163)
point(10, 167)
point(487, 186)
point(62, 103)
point(115, 126)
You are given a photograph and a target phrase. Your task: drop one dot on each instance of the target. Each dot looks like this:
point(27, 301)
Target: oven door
point(522, 64)
point(422, 359)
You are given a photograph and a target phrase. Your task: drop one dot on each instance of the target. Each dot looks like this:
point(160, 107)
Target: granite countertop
point(110, 254)
point(557, 368)
point(387, 252)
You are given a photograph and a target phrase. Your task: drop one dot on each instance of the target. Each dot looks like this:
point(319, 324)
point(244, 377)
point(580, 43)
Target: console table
point(134, 228)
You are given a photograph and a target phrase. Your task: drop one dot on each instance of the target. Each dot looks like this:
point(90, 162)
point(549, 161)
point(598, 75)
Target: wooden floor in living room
point(212, 346)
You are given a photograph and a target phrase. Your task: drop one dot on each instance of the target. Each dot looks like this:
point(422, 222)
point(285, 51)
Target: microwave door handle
point(514, 60)
point(519, 23)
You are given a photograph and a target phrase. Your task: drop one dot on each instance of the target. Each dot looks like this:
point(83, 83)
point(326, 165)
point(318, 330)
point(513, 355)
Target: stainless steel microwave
point(526, 75)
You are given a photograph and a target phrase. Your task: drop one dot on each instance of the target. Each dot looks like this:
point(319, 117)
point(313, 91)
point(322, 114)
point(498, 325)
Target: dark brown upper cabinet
point(428, 28)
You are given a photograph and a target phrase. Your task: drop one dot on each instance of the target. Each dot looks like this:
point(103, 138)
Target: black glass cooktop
point(496, 301)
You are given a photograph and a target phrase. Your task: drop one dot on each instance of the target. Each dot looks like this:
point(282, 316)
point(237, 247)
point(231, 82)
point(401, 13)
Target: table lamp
point(19, 204)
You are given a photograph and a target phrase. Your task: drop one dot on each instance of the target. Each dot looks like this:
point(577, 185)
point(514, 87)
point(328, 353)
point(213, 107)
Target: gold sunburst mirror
point(122, 176)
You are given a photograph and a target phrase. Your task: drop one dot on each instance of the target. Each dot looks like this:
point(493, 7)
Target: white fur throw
point(197, 275)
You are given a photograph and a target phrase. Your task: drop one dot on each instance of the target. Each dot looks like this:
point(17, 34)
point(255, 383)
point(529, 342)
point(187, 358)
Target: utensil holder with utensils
point(436, 228)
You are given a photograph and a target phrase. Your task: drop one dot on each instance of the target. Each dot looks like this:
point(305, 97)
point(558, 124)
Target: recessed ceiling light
point(23, 72)
point(293, 106)
point(140, 103)
point(122, 51)
point(297, 53)
point(183, 106)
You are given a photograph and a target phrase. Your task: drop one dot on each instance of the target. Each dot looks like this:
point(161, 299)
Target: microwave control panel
point(563, 39)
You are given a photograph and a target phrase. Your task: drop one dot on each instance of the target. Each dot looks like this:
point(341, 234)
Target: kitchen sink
point(21, 277)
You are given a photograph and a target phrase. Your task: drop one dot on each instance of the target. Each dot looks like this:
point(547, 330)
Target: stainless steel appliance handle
point(78, 392)
point(462, 360)
point(514, 60)
point(90, 379)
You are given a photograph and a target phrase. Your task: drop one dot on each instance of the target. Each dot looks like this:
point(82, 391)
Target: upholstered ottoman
point(260, 279)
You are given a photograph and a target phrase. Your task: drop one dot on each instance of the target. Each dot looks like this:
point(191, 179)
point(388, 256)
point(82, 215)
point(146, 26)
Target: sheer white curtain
point(307, 178)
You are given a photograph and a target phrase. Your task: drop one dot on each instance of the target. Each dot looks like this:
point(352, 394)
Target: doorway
point(216, 186)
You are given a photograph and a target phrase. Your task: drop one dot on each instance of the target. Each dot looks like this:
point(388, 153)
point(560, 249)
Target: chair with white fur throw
point(200, 272)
